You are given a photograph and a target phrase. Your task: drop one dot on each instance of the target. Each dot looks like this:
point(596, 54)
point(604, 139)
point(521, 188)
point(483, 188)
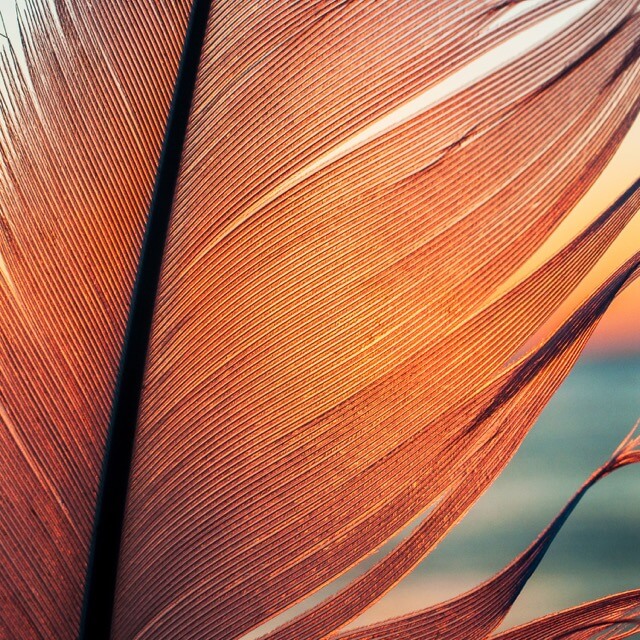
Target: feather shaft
point(105, 551)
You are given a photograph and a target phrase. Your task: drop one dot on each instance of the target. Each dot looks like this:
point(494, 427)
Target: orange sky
point(619, 331)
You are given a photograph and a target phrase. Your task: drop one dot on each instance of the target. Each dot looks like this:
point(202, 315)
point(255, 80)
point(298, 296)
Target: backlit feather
point(338, 345)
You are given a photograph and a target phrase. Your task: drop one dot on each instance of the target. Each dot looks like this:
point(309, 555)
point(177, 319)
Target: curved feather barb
point(508, 410)
point(335, 334)
point(478, 612)
point(611, 618)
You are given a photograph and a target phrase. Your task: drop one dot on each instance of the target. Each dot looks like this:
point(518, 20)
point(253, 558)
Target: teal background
point(598, 550)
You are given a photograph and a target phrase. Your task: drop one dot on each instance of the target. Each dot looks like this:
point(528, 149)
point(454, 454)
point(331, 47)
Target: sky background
point(619, 331)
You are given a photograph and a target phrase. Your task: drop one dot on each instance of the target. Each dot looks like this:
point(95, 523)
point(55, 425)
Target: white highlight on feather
point(9, 24)
point(6, 276)
point(513, 12)
point(483, 66)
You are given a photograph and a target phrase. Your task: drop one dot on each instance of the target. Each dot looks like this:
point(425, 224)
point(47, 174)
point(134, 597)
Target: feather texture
point(479, 611)
point(81, 135)
point(320, 304)
point(617, 615)
point(336, 345)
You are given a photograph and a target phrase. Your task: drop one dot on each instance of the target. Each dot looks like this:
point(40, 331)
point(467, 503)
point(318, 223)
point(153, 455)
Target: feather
point(81, 133)
point(329, 344)
point(506, 412)
point(479, 611)
point(616, 614)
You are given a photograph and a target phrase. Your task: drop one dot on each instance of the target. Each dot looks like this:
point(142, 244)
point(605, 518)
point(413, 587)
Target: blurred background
point(598, 550)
